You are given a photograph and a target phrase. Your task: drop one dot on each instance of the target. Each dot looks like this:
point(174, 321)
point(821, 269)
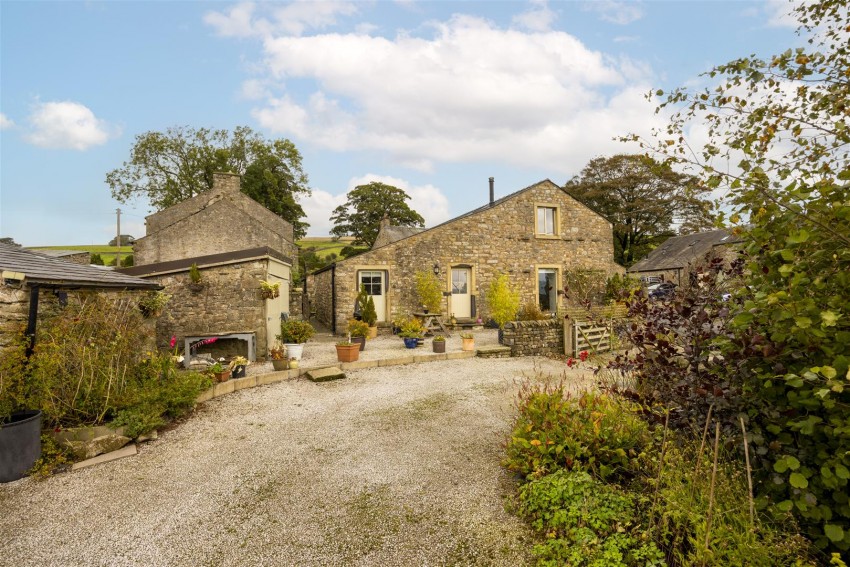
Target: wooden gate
point(584, 335)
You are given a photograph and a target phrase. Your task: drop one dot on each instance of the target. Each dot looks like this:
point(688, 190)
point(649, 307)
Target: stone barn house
point(32, 282)
point(533, 235)
point(235, 243)
point(673, 260)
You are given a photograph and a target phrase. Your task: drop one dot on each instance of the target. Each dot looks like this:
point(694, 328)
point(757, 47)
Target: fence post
point(568, 336)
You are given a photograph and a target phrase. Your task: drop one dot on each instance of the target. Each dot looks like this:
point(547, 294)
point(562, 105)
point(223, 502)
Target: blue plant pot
point(410, 343)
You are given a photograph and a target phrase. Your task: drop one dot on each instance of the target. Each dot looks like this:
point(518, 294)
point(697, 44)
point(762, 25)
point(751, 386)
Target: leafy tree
point(783, 122)
point(643, 199)
point(126, 240)
point(169, 167)
point(361, 214)
point(9, 240)
point(503, 299)
point(96, 259)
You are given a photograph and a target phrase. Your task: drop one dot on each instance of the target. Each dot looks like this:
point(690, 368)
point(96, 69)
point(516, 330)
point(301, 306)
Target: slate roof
point(59, 253)
point(393, 233)
point(41, 269)
point(147, 270)
point(680, 251)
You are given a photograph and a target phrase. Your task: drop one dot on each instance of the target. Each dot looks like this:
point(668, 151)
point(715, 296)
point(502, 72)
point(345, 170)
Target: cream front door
point(375, 283)
point(461, 294)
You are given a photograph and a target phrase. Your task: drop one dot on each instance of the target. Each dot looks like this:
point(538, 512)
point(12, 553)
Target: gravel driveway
point(393, 466)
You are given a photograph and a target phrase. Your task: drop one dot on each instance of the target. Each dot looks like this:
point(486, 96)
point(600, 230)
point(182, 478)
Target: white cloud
point(470, 91)
point(243, 20)
point(538, 18)
point(780, 13)
point(67, 125)
point(6, 122)
point(427, 200)
point(626, 38)
point(616, 12)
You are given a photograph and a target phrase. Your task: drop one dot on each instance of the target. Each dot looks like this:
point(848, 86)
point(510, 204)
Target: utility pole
point(118, 239)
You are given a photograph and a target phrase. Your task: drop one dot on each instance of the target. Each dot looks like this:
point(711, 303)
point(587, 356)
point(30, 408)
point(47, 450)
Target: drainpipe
point(333, 298)
point(33, 317)
point(492, 195)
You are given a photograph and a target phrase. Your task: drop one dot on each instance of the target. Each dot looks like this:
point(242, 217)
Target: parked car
point(662, 290)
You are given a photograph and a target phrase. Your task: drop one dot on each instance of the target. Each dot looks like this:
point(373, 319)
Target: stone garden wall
point(319, 296)
point(529, 338)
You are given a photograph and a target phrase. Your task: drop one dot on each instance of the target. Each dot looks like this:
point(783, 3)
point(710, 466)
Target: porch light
point(436, 269)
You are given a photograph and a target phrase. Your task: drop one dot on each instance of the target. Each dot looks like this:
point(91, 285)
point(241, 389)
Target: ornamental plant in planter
point(358, 331)
point(20, 425)
point(152, 304)
point(346, 351)
point(294, 334)
point(238, 367)
point(269, 290)
point(220, 373)
point(503, 299)
point(439, 343)
point(196, 282)
point(468, 341)
point(278, 355)
point(411, 330)
point(370, 317)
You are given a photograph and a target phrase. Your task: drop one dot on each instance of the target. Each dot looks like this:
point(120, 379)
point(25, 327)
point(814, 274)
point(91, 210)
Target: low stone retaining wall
point(529, 338)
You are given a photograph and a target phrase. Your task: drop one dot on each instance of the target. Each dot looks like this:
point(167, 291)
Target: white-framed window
point(547, 221)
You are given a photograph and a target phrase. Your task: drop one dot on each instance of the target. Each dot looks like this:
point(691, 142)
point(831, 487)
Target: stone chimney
point(226, 182)
point(385, 222)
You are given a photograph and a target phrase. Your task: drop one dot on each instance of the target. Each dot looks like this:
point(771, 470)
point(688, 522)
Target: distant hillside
point(106, 252)
point(325, 245)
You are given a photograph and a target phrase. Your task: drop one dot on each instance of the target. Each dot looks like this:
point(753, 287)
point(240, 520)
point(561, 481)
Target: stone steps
point(494, 352)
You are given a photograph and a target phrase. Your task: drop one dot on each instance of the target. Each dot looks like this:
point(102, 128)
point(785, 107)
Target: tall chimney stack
point(492, 196)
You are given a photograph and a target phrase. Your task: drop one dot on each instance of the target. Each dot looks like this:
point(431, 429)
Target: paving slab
point(325, 374)
point(127, 451)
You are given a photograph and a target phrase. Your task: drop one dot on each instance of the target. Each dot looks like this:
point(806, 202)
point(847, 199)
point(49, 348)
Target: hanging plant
point(269, 290)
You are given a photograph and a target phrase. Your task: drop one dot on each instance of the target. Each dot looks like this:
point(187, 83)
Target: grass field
point(106, 252)
point(323, 246)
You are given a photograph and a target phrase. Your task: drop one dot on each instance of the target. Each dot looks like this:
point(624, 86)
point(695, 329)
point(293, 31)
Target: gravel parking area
point(392, 466)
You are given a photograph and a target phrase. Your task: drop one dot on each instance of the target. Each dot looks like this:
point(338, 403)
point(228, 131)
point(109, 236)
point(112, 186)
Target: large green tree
point(644, 199)
point(171, 166)
point(783, 122)
point(366, 205)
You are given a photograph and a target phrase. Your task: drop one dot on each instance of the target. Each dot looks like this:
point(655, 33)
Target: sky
point(432, 97)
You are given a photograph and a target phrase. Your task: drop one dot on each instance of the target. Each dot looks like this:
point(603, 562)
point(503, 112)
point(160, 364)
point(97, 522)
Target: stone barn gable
point(220, 220)
point(468, 252)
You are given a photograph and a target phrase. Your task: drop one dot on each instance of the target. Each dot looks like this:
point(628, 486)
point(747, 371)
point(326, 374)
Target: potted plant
point(293, 334)
point(269, 290)
point(20, 424)
point(220, 373)
point(370, 317)
point(347, 351)
point(238, 366)
point(503, 299)
point(196, 282)
point(278, 355)
point(430, 291)
point(439, 343)
point(357, 332)
point(411, 331)
point(468, 341)
point(152, 303)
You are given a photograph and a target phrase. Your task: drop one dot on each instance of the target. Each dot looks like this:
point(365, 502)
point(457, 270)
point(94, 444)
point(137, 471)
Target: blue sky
point(434, 97)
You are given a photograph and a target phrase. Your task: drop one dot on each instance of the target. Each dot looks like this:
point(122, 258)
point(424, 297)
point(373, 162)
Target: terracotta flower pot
point(348, 353)
point(468, 344)
point(222, 376)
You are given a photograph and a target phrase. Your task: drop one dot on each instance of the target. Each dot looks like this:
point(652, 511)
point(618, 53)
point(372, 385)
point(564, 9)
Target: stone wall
point(494, 240)
point(14, 308)
point(319, 296)
point(228, 302)
point(296, 303)
point(529, 338)
point(220, 220)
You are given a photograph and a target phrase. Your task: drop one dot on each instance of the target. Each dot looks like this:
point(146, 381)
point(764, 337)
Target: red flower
point(571, 362)
point(173, 340)
point(583, 355)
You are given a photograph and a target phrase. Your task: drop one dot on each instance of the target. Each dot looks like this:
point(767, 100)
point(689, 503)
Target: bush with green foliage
point(87, 368)
point(194, 274)
point(620, 288)
point(503, 300)
point(430, 291)
point(358, 328)
point(590, 431)
point(783, 120)
point(531, 312)
point(127, 261)
point(370, 315)
point(411, 328)
point(295, 332)
point(586, 522)
point(96, 259)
